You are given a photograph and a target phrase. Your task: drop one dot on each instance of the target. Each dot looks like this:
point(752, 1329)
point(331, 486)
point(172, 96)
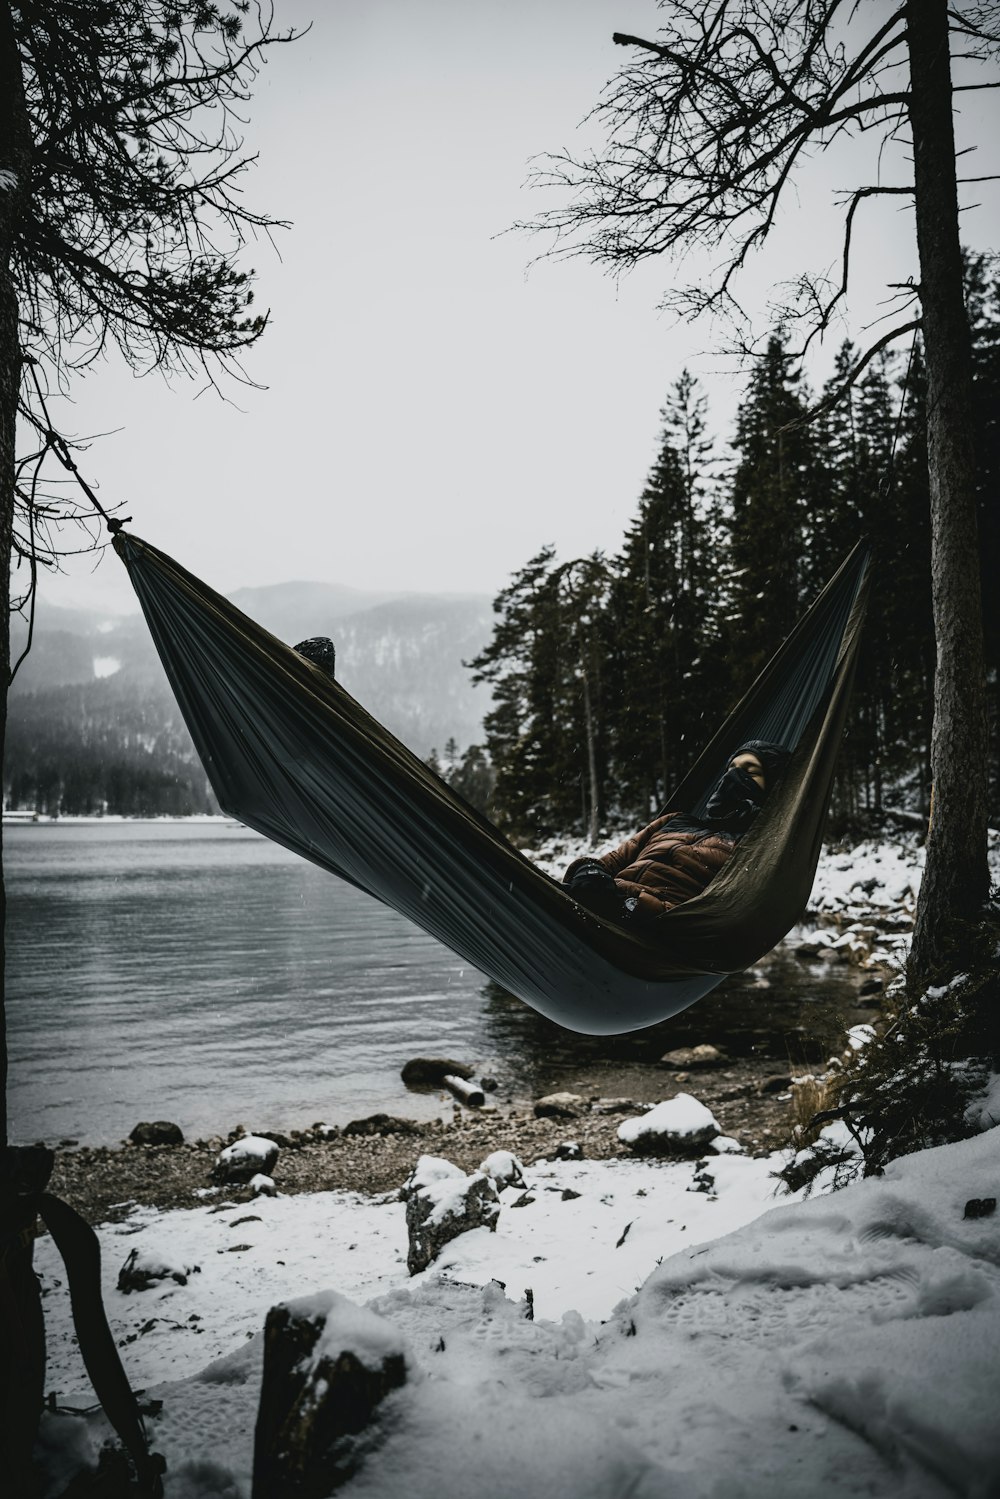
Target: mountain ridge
point(91, 708)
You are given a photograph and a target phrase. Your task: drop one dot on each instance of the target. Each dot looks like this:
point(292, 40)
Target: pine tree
point(515, 665)
point(771, 500)
point(661, 608)
point(581, 625)
point(473, 778)
point(546, 662)
point(708, 127)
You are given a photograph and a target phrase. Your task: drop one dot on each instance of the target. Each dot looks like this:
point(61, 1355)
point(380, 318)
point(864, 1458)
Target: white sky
point(433, 411)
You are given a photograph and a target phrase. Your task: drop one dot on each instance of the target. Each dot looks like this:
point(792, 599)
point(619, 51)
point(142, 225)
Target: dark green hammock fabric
point(292, 755)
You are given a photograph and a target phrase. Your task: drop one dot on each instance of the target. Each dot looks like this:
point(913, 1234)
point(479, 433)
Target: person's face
point(747, 760)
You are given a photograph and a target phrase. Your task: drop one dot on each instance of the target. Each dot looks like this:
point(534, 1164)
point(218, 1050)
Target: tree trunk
point(956, 879)
point(594, 816)
point(15, 162)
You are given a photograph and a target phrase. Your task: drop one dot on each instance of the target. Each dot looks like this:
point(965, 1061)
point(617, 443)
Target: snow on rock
point(147, 1266)
point(328, 1366)
point(441, 1209)
point(248, 1156)
point(680, 1126)
point(726, 1145)
point(871, 876)
point(262, 1186)
point(429, 1170)
point(345, 1327)
point(983, 1111)
point(505, 1169)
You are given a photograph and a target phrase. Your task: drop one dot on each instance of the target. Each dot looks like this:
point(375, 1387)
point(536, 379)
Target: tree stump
point(328, 1365)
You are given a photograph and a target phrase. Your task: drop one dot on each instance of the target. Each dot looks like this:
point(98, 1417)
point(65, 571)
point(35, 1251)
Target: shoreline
point(72, 819)
point(865, 896)
point(105, 1183)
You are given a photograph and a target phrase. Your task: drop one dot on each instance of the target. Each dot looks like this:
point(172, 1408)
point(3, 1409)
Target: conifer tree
point(517, 664)
point(662, 612)
point(473, 778)
point(581, 629)
point(871, 491)
point(707, 131)
point(546, 662)
point(770, 499)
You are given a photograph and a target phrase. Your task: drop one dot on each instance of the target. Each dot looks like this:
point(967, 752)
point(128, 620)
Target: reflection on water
point(783, 1010)
point(196, 972)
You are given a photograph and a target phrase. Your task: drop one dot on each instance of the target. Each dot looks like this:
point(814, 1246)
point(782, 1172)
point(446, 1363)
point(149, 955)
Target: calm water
point(198, 973)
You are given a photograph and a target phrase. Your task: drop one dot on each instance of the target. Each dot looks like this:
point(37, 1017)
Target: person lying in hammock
point(676, 856)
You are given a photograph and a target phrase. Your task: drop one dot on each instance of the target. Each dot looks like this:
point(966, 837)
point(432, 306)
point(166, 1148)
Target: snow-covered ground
point(845, 1345)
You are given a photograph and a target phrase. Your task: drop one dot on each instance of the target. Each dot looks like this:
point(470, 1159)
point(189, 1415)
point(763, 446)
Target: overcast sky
point(434, 411)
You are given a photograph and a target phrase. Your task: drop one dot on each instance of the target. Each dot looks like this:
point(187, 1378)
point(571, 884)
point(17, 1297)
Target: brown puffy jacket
point(664, 868)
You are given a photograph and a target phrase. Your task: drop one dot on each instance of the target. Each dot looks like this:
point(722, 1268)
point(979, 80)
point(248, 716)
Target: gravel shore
point(746, 1097)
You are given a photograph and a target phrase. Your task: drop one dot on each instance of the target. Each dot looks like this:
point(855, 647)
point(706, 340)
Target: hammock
point(292, 755)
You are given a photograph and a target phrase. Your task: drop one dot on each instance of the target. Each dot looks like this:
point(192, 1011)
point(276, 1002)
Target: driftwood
point(468, 1093)
point(313, 1409)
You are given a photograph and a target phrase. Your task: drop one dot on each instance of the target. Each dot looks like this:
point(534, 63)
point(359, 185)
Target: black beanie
point(773, 757)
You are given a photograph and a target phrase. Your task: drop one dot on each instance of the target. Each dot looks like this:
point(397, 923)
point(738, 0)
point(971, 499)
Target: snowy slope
point(846, 1345)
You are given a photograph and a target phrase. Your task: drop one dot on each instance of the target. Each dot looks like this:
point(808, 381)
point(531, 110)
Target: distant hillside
point(93, 722)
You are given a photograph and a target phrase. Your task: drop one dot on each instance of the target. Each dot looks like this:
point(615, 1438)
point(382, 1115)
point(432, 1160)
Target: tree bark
point(956, 878)
point(594, 816)
point(15, 163)
point(22, 1349)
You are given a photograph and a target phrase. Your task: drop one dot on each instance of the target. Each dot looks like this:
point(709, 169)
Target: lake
point(195, 972)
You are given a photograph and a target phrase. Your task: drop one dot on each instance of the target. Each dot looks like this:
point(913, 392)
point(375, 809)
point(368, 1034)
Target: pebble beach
point(750, 1100)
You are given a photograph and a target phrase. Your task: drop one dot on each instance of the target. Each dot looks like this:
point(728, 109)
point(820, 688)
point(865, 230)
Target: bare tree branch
point(840, 390)
point(707, 128)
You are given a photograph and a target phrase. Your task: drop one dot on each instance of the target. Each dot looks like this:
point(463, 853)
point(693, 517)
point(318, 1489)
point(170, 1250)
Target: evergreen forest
point(608, 673)
point(92, 748)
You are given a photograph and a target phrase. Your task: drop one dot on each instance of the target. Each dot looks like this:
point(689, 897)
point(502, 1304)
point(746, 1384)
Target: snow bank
point(871, 876)
point(844, 1345)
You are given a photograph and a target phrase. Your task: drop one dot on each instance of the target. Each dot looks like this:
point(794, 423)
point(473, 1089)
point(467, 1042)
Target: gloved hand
point(590, 872)
point(591, 886)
